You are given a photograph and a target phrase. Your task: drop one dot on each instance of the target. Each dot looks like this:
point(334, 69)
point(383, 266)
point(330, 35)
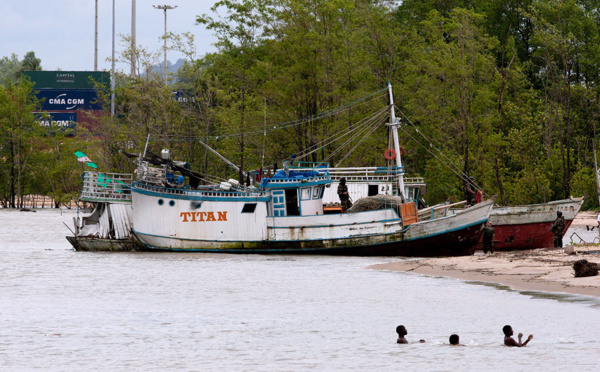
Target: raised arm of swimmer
point(509, 341)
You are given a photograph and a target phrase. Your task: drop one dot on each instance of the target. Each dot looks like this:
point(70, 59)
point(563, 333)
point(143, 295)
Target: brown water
point(62, 310)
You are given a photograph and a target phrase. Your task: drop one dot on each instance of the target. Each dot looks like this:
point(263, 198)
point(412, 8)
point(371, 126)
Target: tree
point(31, 63)
point(9, 69)
point(19, 130)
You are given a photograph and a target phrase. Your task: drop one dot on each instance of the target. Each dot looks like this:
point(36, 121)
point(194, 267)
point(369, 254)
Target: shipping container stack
point(69, 98)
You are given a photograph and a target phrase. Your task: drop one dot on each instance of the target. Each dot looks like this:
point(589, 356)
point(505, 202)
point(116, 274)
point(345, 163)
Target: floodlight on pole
point(165, 8)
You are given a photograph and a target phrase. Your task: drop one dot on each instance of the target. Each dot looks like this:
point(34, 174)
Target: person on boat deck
point(342, 191)
point(454, 340)
point(470, 191)
point(401, 331)
point(509, 341)
point(558, 227)
point(488, 237)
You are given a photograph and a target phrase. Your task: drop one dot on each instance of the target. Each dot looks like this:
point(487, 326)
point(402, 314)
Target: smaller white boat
point(108, 226)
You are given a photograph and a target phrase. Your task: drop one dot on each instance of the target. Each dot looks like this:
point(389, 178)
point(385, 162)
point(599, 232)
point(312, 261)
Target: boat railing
point(99, 186)
point(382, 174)
point(203, 193)
point(294, 180)
point(150, 175)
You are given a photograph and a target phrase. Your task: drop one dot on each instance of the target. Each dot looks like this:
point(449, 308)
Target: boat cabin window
point(414, 193)
point(373, 190)
point(317, 192)
point(306, 193)
point(291, 202)
point(249, 208)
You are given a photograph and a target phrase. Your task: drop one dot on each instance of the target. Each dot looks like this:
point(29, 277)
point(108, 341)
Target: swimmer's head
point(507, 330)
point(454, 339)
point(401, 330)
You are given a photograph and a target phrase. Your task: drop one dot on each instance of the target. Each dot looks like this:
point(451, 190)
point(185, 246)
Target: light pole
point(133, 53)
point(112, 81)
point(165, 8)
point(96, 40)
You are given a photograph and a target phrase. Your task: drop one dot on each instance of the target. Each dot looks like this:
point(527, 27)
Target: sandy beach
point(549, 270)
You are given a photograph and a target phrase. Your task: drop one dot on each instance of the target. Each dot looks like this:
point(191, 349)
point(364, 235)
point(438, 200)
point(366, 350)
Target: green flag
point(84, 159)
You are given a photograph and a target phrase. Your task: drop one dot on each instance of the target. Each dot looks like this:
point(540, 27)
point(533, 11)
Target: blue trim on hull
point(199, 198)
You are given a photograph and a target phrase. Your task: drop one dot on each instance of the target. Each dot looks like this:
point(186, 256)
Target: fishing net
point(372, 203)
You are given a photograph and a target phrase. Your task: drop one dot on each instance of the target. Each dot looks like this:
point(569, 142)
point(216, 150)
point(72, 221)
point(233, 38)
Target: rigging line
point(332, 112)
point(410, 122)
point(354, 137)
point(462, 175)
point(406, 117)
point(432, 145)
point(366, 122)
point(376, 122)
point(458, 173)
point(297, 121)
point(337, 137)
point(363, 122)
point(293, 123)
point(373, 129)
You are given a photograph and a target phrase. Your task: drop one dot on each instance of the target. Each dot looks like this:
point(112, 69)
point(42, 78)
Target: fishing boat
point(516, 227)
point(108, 226)
point(285, 213)
point(528, 226)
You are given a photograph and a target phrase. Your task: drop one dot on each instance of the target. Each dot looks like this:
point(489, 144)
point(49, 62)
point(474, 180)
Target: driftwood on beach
point(584, 268)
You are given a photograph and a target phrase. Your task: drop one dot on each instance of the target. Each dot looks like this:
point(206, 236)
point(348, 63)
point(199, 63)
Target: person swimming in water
point(454, 340)
point(509, 341)
point(401, 331)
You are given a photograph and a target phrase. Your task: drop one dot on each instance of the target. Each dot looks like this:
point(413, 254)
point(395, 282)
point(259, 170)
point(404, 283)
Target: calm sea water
point(62, 310)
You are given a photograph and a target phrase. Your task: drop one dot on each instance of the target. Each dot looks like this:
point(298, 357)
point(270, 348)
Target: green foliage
point(502, 90)
point(583, 182)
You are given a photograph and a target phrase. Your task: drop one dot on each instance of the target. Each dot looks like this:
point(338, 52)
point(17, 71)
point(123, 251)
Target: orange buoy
point(389, 154)
point(402, 151)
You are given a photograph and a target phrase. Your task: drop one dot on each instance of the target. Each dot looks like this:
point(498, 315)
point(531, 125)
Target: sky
point(61, 32)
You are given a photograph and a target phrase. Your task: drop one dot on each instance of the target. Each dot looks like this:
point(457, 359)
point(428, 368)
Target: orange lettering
point(222, 216)
point(185, 216)
point(210, 216)
point(193, 216)
point(201, 215)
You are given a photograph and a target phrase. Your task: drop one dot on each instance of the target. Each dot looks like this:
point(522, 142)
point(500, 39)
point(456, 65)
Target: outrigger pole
point(394, 123)
point(222, 158)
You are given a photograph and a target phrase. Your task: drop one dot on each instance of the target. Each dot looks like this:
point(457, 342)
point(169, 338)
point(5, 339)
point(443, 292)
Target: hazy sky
point(61, 32)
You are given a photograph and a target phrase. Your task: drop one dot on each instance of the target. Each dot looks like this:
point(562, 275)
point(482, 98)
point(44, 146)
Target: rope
point(361, 124)
point(449, 164)
point(289, 124)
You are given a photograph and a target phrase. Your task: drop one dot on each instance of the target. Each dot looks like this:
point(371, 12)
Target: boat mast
point(394, 123)
point(597, 172)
